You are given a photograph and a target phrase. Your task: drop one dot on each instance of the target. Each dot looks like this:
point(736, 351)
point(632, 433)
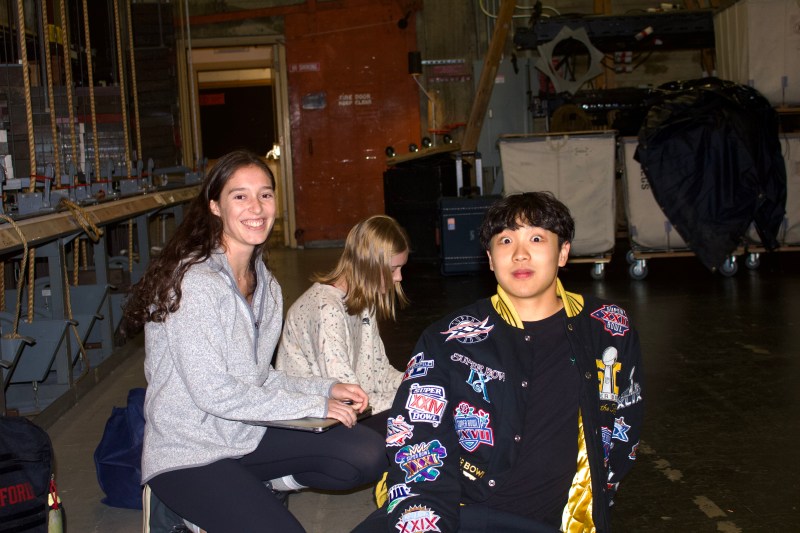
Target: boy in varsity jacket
point(520, 412)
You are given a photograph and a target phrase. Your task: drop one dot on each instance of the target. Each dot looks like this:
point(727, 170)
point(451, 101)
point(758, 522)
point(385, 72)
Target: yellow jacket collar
point(573, 304)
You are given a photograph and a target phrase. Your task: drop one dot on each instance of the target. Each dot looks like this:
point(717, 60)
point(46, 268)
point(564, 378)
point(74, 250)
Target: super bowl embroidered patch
point(614, 320)
point(472, 428)
point(418, 519)
point(468, 329)
point(397, 494)
point(417, 367)
point(421, 462)
point(398, 431)
point(426, 403)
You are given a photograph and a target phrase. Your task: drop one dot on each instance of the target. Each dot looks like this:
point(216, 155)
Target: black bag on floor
point(118, 457)
point(26, 461)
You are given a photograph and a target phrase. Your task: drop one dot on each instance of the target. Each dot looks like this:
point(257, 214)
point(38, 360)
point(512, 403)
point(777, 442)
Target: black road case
point(459, 226)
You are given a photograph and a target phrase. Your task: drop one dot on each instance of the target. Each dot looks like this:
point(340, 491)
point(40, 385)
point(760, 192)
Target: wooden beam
point(42, 229)
point(486, 83)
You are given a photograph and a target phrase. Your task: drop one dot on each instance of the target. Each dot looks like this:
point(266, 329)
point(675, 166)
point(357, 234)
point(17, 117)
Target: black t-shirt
point(541, 478)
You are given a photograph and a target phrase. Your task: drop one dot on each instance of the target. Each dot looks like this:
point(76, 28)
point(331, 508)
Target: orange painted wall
point(350, 96)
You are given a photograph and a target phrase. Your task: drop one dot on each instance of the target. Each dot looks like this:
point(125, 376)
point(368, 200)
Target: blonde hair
point(366, 263)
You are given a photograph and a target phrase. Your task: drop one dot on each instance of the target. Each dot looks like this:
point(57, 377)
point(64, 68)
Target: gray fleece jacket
point(208, 371)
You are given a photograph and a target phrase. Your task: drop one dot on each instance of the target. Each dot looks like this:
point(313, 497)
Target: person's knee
point(371, 455)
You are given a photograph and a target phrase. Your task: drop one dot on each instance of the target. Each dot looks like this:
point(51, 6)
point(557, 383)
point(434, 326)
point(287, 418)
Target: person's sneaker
point(280, 495)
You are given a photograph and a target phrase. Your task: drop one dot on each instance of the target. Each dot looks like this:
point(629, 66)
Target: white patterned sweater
point(321, 339)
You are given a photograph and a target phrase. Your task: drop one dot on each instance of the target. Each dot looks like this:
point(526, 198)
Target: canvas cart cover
point(648, 226)
point(711, 153)
point(579, 170)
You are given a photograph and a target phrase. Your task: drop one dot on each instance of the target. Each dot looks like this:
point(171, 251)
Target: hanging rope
point(84, 255)
point(68, 78)
point(82, 218)
point(134, 90)
point(130, 245)
point(122, 99)
point(31, 279)
point(15, 330)
point(26, 81)
point(76, 257)
point(89, 72)
point(51, 97)
point(93, 232)
point(68, 307)
point(2, 285)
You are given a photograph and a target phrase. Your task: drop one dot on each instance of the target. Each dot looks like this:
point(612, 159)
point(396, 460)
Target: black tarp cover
point(711, 152)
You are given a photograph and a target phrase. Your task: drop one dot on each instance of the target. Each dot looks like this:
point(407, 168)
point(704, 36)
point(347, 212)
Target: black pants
point(473, 518)
point(229, 495)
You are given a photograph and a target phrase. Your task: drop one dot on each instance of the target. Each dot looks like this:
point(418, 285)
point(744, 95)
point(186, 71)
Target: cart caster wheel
point(426, 142)
point(598, 271)
point(638, 270)
point(729, 267)
point(389, 151)
point(629, 257)
point(413, 147)
point(752, 261)
point(447, 139)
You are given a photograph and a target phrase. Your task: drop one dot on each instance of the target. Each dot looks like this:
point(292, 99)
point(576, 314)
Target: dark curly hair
point(158, 293)
point(540, 209)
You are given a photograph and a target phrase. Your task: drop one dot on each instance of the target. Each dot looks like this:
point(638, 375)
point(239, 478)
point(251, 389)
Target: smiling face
point(525, 262)
point(246, 208)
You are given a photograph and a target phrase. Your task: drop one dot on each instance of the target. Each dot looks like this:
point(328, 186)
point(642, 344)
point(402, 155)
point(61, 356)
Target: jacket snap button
point(517, 438)
point(569, 327)
point(588, 375)
point(524, 384)
point(491, 483)
point(527, 338)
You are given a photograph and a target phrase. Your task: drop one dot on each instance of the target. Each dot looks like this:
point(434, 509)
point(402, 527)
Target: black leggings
point(229, 495)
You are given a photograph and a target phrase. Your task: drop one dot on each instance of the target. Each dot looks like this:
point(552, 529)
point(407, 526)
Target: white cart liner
point(578, 168)
point(648, 226)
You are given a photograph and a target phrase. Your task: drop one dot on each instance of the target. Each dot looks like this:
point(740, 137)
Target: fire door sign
point(304, 67)
point(346, 100)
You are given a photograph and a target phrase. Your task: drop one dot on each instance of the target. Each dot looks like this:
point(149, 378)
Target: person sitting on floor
point(332, 329)
point(212, 315)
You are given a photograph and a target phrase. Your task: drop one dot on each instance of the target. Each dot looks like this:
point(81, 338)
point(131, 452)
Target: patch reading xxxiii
point(614, 320)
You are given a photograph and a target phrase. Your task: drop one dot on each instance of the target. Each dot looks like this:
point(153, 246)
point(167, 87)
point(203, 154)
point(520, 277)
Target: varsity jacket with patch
point(456, 425)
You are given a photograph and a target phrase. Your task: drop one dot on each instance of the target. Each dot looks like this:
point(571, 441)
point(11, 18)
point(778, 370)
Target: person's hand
point(346, 401)
point(351, 394)
point(342, 412)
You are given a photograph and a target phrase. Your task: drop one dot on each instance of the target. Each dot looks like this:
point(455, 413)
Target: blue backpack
point(118, 457)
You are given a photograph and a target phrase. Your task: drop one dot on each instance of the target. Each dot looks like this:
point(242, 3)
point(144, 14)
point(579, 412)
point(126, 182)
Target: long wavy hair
point(366, 266)
point(158, 293)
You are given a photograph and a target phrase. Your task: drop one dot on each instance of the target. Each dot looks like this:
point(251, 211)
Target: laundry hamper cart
point(579, 169)
point(650, 233)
